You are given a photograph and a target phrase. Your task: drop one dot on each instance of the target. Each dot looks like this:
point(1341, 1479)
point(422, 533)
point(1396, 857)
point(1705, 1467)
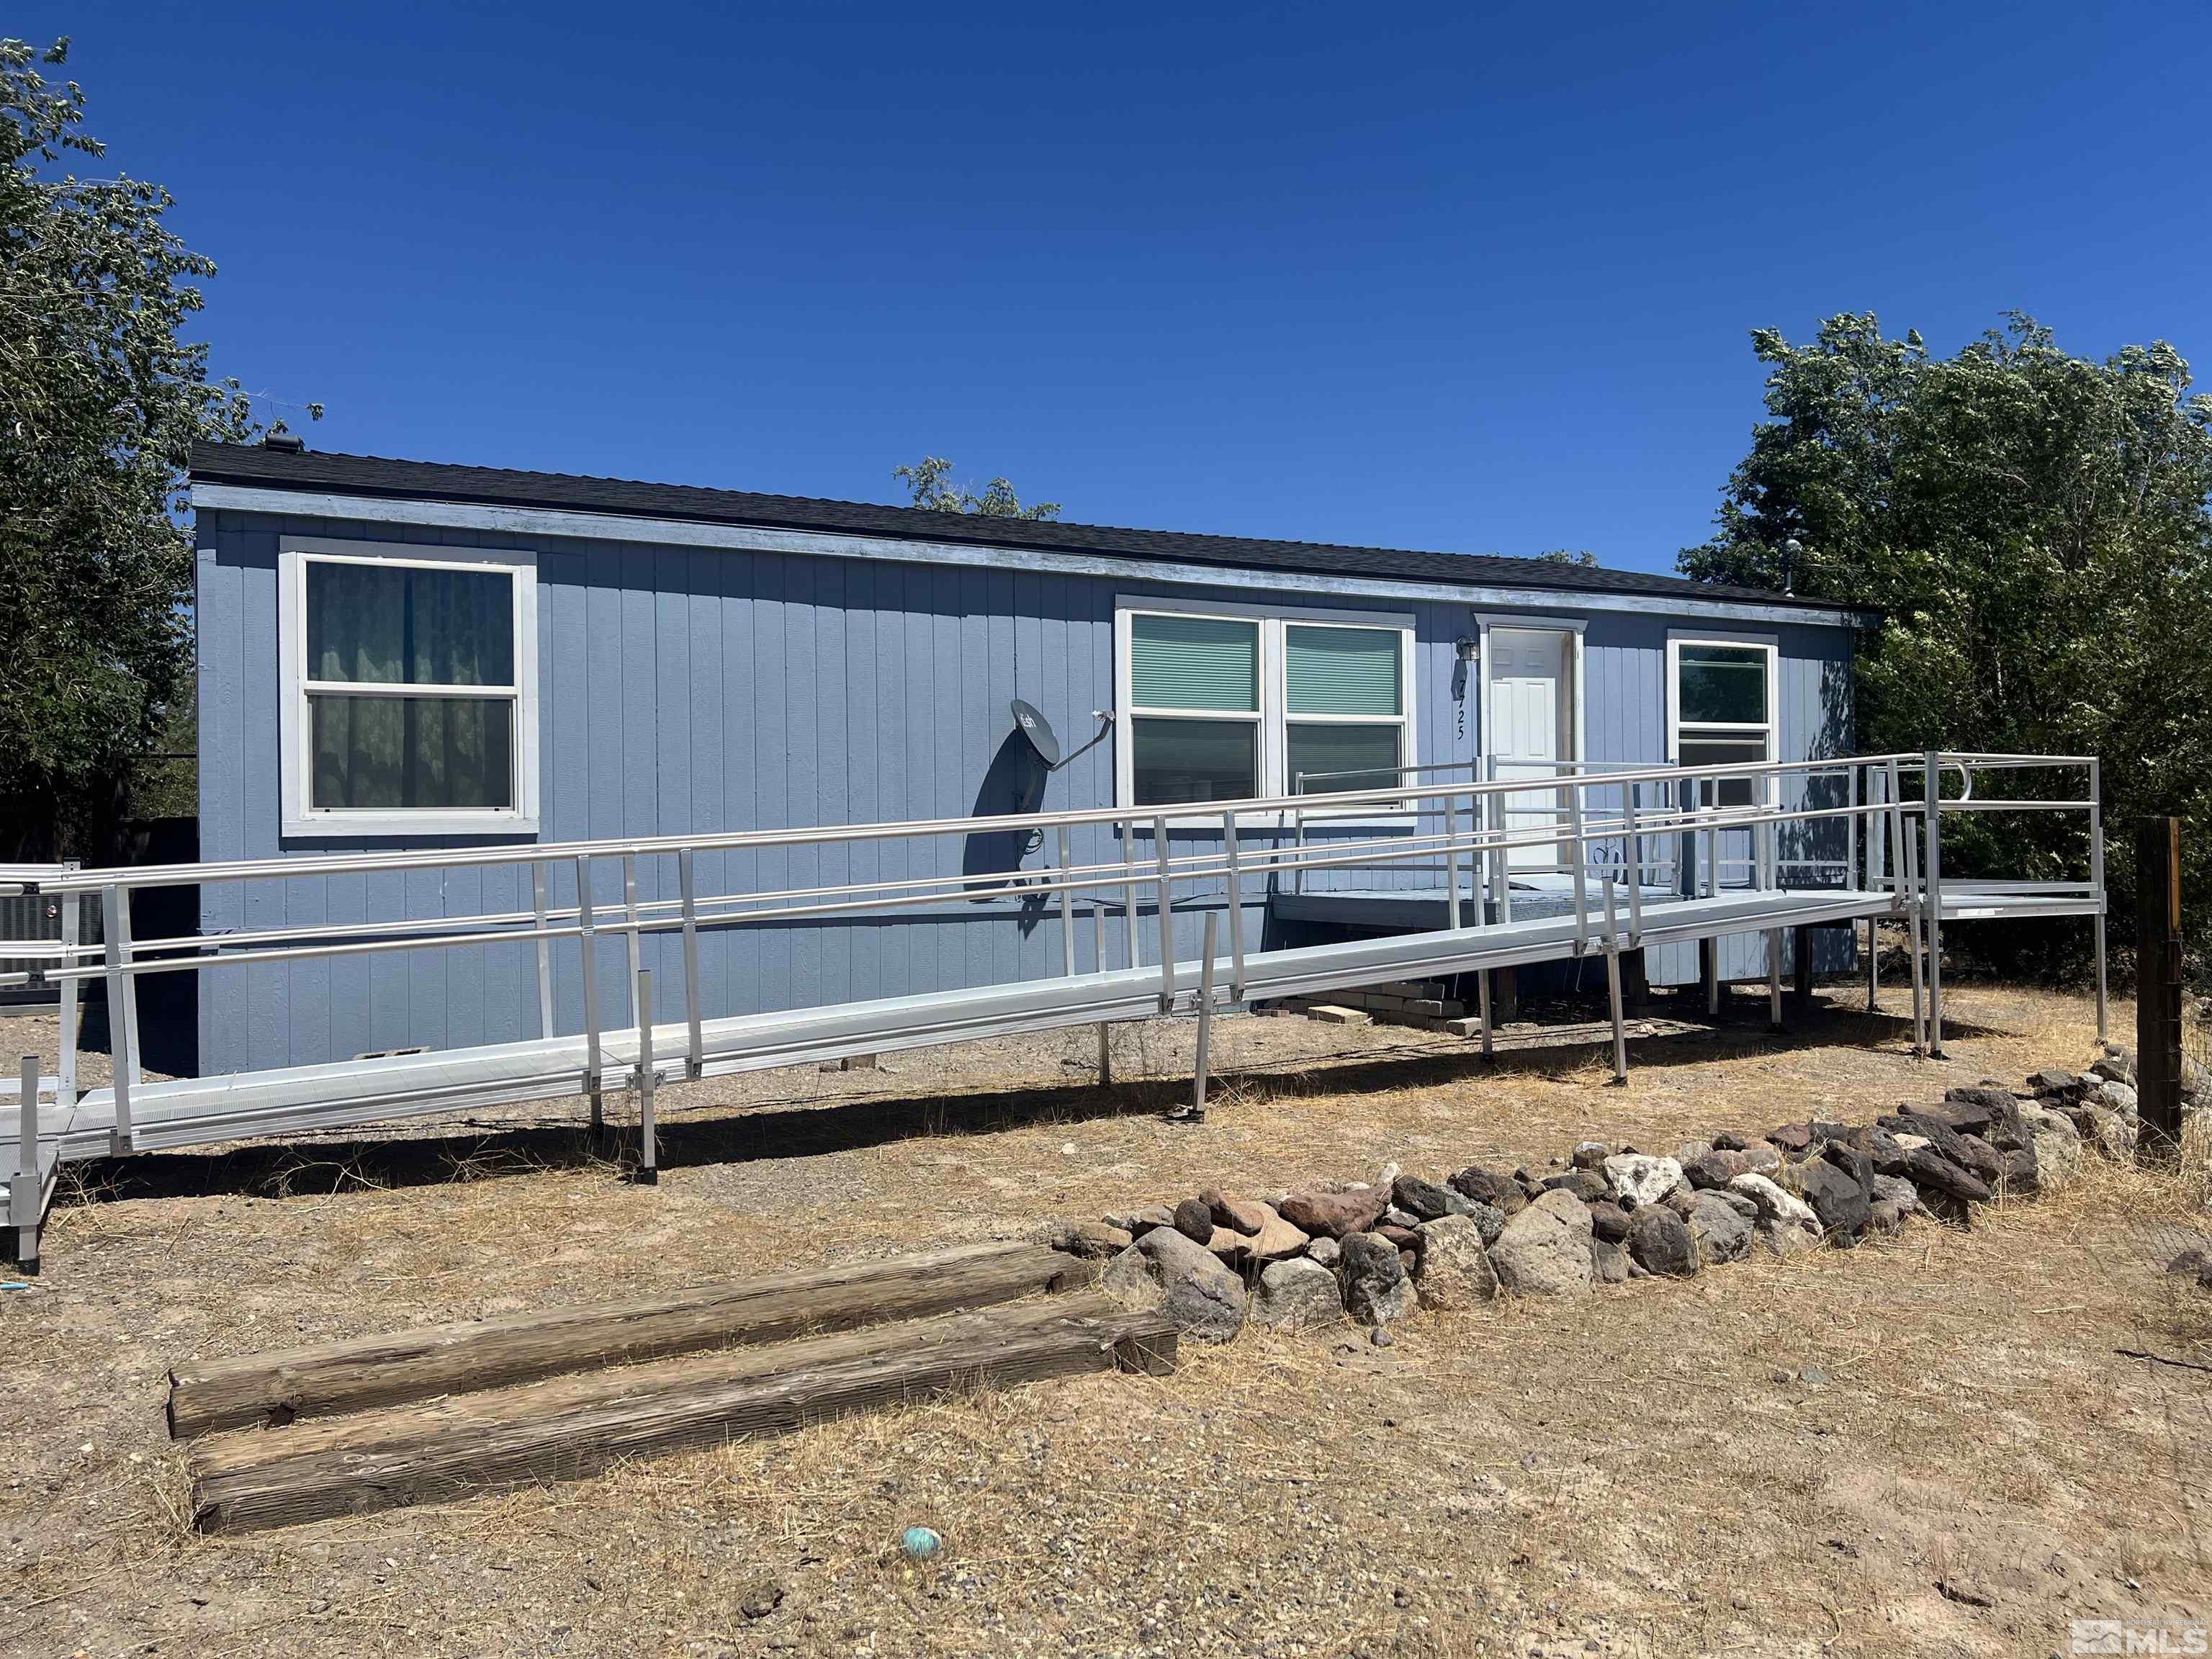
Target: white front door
point(1531, 725)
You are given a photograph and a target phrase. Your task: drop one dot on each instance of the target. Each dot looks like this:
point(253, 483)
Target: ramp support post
point(1612, 986)
point(26, 1192)
point(648, 1163)
point(121, 1016)
point(1204, 1020)
point(1774, 977)
point(1932, 772)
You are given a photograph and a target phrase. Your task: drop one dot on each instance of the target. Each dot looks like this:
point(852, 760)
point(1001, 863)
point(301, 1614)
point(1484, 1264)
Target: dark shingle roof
point(367, 475)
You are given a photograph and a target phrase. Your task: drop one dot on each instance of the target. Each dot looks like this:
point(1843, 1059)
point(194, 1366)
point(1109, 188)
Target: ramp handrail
point(1612, 835)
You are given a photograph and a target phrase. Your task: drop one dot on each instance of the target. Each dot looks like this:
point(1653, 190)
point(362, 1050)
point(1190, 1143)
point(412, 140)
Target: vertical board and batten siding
point(688, 689)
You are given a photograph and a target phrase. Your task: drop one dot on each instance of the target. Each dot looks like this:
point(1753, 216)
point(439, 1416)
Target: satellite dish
point(1038, 729)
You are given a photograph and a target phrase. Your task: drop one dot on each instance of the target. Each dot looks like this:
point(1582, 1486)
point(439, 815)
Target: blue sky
point(1479, 281)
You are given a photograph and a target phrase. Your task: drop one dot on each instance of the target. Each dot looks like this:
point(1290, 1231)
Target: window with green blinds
point(1195, 662)
point(1342, 671)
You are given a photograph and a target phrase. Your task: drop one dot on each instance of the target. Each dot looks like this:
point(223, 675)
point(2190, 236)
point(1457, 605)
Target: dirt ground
point(1775, 1458)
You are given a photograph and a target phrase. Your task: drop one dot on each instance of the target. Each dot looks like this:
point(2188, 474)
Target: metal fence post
point(1934, 781)
point(121, 1016)
point(687, 887)
point(648, 1166)
point(2158, 986)
point(1298, 830)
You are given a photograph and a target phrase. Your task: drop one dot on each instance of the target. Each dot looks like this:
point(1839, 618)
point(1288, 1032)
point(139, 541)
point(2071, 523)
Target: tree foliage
point(930, 484)
point(1575, 555)
point(2033, 526)
point(100, 402)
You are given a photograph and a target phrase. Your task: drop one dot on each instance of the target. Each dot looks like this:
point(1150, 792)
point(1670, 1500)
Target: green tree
point(1575, 555)
point(2034, 527)
point(100, 402)
point(929, 483)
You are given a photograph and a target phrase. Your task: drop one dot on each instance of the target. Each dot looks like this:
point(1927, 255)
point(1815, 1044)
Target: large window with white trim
point(410, 692)
point(1228, 702)
point(1723, 710)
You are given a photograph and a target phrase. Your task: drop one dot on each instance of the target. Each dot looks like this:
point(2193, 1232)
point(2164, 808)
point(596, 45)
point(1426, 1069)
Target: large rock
point(1787, 1238)
point(1609, 1221)
point(1774, 1204)
point(1660, 1242)
point(1721, 1233)
point(2057, 1147)
point(1333, 1215)
point(1840, 1202)
point(1376, 1290)
point(1297, 1295)
point(1502, 1192)
point(1092, 1240)
point(2116, 1068)
point(1273, 1240)
point(1238, 1215)
point(1897, 1191)
point(1545, 1250)
point(2120, 1098)
point(1587, 1185)
point(1425, 1200)
point(1640, 1177)
point(1608, 1262)
point(1201, 1296)
point(1193, 1219)
point(1455, 1270)
point(1488, 1218)
point(2111, 1134)
point(1934, 1173)
point(1715, 1169)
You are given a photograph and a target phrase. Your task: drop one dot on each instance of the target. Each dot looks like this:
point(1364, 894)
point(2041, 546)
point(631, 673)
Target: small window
point(1195, 730)
point(411, 702)
point(1724, 713)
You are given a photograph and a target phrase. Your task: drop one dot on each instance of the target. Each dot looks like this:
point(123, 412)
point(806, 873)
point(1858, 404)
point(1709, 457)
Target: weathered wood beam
point(346, 1375)
point(569, 1427)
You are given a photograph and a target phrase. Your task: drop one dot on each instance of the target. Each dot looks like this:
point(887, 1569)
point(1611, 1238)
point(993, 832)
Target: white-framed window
point(409, 684)
point(1220, 701)
point(1721, 709)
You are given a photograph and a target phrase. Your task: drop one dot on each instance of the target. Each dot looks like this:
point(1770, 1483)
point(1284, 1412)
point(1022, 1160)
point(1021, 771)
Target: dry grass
point(1645, 1471)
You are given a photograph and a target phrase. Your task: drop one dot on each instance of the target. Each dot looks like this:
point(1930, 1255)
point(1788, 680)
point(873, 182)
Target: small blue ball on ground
point(921, 1542)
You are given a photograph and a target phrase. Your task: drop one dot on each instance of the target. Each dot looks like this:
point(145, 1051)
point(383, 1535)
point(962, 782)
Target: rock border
point(1374, 1251)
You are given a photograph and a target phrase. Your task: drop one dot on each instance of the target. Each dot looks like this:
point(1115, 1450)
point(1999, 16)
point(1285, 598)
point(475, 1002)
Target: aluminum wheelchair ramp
point(1647, 856)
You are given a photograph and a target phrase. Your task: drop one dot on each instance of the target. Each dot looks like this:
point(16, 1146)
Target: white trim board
point(684, 532)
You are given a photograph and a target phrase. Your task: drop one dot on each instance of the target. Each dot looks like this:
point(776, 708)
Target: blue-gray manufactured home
point(399, 654)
